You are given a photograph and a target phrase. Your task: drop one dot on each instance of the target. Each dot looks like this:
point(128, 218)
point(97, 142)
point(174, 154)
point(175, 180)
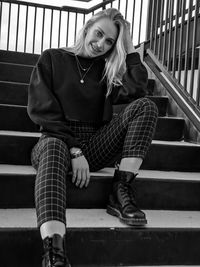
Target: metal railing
point(174, 34)
point(30, 27)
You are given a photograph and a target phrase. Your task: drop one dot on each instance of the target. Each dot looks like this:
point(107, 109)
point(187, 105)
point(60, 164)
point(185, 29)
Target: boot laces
point(127, 193)
point(54, 259)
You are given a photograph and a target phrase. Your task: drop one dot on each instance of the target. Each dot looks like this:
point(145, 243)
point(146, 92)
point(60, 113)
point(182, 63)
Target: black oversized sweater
point(55, 94)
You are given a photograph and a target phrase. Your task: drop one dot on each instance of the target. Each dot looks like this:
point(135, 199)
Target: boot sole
point(132, 222)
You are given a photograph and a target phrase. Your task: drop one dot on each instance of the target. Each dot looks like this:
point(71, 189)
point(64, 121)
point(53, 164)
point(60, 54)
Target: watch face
point(76, 152)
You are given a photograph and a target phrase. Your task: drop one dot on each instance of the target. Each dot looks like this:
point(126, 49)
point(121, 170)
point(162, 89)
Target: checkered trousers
point(129, 133)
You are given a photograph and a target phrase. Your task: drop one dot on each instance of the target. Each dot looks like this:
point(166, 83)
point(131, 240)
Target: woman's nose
point(100, 44)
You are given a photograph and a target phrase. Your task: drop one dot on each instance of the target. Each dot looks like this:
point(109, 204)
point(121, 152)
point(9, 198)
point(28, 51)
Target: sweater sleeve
point(134, 82)
point(43, 106)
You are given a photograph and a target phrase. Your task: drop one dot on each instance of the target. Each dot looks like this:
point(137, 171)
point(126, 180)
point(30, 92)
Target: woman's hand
point(128, 40)
point(80, 172)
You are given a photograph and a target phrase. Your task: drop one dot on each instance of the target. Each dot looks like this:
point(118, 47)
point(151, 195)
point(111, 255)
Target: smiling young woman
point(71, 94)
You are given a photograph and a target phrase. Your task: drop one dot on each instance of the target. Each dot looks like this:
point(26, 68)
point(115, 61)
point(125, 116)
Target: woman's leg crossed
point(130, 132)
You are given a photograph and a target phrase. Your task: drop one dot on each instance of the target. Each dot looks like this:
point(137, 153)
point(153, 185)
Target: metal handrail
point(63, 8)
point(32, 27)
point(173, 47)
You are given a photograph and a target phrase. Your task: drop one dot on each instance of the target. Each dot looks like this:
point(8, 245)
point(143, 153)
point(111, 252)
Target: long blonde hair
point(115, 65)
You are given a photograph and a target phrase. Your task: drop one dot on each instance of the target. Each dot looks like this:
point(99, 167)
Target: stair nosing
point(9, 169)
point(38, 134)
point(14, 106)
point(11, 82)
point(16, 64)
point(99, 219)
point(159, 117)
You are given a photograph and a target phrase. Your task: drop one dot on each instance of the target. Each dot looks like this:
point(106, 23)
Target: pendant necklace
point(86, 70)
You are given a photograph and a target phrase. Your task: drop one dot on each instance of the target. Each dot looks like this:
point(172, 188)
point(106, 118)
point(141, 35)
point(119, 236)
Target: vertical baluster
point(165, 33)
point(8, 36)
point(156, 27)
point(133, 19)
point(187, 45)
point(119, 4)
point(34, 29)
point(83, 18)
point(171, 10)
point(181, 40)
point(17, 29)
point(43, 21)
point(26, 25)
point(126, 9)
point(161, 27)
point(152, 25)
point(51, 28)
point(75, 28)
point(1, 7)
point(59, 28)
point(191, 89)
point(175, 39)
point(67, 36)
point(140, 22)
point(198, 82)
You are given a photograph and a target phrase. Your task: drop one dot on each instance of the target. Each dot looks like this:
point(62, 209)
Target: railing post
point(198, 82)
point(149, 17)
point(104, 6)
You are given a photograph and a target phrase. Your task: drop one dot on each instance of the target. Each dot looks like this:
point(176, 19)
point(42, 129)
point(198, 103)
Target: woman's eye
point(99, 34)
point(109, 42)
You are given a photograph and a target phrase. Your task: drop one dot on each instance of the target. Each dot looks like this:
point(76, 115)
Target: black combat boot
point(55, 252)
point(122, 200)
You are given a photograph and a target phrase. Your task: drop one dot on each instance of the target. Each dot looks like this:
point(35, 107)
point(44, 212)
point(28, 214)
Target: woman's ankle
point(49, 228)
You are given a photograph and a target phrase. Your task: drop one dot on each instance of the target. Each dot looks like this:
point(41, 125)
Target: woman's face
point(100, 38)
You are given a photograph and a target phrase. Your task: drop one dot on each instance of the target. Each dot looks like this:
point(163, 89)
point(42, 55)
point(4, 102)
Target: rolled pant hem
point(135, 155)
point(47, 219)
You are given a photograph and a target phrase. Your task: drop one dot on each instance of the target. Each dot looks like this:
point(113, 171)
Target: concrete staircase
point(168, 189)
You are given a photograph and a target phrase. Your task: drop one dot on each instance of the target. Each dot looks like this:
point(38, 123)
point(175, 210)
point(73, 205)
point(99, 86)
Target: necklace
point(79, 63)
point(86, 70)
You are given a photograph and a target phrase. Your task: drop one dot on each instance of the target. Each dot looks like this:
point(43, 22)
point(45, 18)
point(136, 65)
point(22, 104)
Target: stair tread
point(25, 107)
point(18, 133)
point(16, 64)
point(36, 134)
point(98, 218)
point(108, 172)
point(12, 82)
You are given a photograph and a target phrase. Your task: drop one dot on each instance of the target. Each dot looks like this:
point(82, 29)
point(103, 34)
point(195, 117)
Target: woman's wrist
point(75, 152)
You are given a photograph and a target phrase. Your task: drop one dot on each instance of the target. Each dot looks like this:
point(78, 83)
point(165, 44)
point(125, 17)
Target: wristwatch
point(75, 153)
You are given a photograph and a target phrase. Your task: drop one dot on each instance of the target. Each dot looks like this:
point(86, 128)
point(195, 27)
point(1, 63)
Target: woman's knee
point(48, 147)
point(55, 146)
point(147, 105)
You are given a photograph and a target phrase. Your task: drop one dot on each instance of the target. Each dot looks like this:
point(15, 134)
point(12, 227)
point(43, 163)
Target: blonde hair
point(115, 65)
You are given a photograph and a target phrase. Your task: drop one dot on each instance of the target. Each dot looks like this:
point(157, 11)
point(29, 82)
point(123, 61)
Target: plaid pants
point(129, 133)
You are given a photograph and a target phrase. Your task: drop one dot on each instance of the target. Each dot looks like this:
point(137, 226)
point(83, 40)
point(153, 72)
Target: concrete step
point(15, 118)
point(15, 72)
point(18, 57)
point(160, 101)
point(162, 155)
point(13, 93)
point(155, 189)
point(16, 93)
point(95, 238)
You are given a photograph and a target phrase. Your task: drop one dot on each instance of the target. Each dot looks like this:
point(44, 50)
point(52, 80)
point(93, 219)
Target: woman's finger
point(87, 178)
point(74, 174)
point(83, 178)
point(78, 177)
